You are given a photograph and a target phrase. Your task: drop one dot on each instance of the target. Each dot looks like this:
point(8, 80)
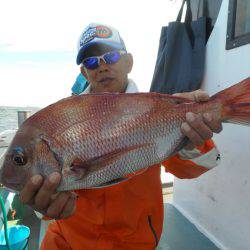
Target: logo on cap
point(93, 32)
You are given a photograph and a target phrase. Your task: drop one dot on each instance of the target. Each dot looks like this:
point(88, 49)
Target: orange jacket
point(125, 216)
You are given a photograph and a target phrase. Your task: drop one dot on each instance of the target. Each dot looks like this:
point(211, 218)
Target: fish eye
point(18, 156)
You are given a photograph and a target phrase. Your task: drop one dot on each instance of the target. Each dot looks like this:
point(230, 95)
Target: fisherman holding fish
point(125, 213)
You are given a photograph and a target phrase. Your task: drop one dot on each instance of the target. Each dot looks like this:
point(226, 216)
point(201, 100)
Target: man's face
point(108, 77)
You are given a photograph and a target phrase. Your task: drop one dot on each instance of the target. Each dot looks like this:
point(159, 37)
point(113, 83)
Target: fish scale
point(129, 139)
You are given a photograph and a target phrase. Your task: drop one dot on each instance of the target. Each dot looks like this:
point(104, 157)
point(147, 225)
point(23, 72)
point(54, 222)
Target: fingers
point(200, 128)
point(62, 206)
point(69, 208)
point(189, 146)
point(196, 96)
point(192, 135)
point(41, 195)
point(42, 198)
point(30, 189)
point(200, 95)
point(212, 122)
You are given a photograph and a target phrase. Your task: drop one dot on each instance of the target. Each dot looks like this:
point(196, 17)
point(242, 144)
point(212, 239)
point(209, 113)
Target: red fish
point(96, 140)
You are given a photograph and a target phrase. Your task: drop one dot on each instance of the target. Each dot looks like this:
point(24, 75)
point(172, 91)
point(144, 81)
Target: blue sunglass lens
point(91, 63)
point(112, 57)
point(109, 58)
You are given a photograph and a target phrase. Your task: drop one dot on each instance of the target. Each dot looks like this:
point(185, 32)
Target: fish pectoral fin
point(82, 168)
point(79, 167)
point(102, 161)
point(110, 183)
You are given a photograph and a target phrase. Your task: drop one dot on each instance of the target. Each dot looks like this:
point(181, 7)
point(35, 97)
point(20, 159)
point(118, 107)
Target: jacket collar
point(131, 88)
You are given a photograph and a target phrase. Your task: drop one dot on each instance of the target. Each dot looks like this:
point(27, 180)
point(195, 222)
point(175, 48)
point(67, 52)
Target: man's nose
point(103, 66)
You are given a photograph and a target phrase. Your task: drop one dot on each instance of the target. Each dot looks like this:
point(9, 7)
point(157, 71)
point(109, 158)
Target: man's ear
point(84, 73)
point(128, 62)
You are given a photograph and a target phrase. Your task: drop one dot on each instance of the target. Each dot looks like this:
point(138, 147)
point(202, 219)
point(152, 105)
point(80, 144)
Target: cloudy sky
point(38, 43)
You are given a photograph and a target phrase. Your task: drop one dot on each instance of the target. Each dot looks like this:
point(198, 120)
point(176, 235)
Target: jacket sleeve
point(187, 164)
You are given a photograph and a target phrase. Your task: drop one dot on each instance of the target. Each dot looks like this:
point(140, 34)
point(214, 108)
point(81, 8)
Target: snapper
point(97, 140)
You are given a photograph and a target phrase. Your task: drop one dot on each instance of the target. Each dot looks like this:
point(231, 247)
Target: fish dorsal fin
point(170, 98)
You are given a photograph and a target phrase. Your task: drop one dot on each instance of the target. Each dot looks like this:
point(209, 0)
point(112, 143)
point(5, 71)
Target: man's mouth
point(106, 80)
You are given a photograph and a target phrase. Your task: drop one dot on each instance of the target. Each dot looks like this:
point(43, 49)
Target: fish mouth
point(1, 166)
point(12, 190)
point(12, 186)
point(13, 182)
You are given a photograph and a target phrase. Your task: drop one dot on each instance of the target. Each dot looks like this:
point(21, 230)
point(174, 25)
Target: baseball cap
point(95, 34)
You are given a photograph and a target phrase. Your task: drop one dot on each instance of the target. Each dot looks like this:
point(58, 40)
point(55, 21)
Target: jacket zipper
point(153, 230)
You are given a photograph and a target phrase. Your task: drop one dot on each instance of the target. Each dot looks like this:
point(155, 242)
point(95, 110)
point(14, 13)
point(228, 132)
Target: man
point(128, 215)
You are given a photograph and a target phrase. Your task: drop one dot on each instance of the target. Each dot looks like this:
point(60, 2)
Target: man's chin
point(106, 86)
point(111, 86)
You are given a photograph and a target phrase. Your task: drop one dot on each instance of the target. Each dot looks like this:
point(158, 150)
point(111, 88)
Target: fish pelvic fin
point(180, 146)
point(110, 183)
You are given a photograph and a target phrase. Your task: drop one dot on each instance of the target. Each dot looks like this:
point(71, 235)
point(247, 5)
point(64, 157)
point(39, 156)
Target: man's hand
point(41, 196)
point(199, 128)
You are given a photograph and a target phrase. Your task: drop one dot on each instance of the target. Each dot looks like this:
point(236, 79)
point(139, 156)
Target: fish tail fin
point(236, 103)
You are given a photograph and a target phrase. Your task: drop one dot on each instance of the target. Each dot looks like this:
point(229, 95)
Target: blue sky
point(38, 41)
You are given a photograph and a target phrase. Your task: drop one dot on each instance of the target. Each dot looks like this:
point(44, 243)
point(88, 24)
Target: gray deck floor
point(180, 234)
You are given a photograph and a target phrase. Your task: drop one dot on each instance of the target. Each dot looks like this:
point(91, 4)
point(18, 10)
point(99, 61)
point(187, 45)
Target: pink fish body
point(96, 140)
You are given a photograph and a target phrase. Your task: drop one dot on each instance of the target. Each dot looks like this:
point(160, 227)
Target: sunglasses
point(109, 58)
